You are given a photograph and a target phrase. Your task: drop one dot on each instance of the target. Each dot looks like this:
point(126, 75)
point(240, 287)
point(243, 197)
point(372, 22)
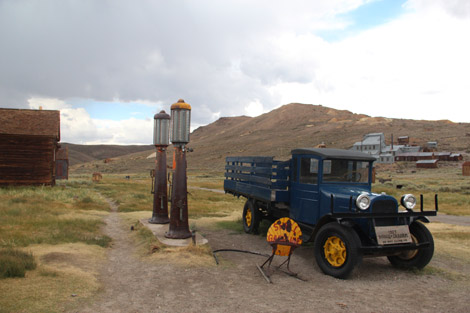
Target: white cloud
point(76, 125)
point(254, 108)
point(230, 58)
point(36, 103)
point(414, 67)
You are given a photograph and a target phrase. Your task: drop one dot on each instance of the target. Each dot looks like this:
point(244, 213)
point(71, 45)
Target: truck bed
point(261, 178)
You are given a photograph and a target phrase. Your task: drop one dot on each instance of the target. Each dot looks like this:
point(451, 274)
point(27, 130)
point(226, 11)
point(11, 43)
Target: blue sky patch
point(115, 111)
point(367, 16)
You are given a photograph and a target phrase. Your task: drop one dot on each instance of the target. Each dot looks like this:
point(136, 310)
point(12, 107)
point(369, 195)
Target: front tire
point(418, 258)
point(337, 250)
point(251, 217)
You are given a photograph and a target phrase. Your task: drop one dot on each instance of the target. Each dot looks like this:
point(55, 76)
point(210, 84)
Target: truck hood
point(342, 196)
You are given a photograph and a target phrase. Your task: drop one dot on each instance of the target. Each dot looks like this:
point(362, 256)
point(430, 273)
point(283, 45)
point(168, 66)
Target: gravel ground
point(236, 285)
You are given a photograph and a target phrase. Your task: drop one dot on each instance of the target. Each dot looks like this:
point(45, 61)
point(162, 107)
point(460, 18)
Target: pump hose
point(236, 250)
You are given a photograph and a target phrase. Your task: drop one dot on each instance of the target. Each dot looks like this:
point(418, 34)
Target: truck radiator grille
point(384, 206)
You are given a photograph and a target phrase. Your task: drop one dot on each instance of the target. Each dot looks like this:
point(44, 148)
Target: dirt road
point(133, 285)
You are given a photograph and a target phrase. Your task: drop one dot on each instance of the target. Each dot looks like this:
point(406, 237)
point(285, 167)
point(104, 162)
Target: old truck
point(328, 193)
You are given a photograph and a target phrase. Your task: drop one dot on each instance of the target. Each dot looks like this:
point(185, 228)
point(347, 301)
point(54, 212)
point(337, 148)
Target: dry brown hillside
point(297, 125)
point(302, 125)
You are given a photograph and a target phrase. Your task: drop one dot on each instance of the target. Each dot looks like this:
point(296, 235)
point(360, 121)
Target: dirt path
point(131, 285)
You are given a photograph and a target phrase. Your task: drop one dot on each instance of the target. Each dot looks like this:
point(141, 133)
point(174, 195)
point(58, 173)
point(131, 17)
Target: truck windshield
point(345, 171)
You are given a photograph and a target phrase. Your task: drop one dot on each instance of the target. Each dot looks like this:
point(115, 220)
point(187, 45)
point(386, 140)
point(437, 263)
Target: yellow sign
point(284, 234)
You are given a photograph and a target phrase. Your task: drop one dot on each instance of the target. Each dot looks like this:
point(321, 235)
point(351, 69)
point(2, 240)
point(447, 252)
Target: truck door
point(304, 189)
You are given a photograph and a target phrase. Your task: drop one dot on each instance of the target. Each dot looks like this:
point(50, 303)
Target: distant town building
point(466, 168)
point(404, 140)
point(456, 157)
point(374, 144)
point(427, 163)
point(96, 177)
point(414, 156)
point(431, 146)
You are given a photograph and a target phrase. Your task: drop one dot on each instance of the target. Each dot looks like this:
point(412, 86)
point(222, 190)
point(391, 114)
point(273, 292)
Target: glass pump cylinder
point(180, 120)
point(161, 129)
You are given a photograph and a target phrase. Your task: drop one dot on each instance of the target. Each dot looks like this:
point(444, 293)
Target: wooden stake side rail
point(260, 178)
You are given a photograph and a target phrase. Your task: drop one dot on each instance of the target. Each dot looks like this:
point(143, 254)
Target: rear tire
point(251, 217)
point(337, 250)
point(418, 258)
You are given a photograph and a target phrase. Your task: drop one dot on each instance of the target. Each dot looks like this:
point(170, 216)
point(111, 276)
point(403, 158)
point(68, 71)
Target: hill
point(296, 125)
point(88, 153)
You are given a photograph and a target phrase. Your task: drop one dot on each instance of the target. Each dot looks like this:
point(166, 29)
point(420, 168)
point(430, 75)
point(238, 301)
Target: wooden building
point(427, 163)
point(414, 156)
point(466, 168)
point(442, 156)
point(62, 163)
point(456, 157)
point(404, 140)
point(28, 144)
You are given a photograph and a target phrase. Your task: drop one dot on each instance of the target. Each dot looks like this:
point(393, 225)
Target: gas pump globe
point(161, 141)
point(161, 128)
point(180, 119)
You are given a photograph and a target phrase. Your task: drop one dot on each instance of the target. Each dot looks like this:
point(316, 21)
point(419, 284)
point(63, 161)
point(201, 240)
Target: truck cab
point(328, 193)
point(316, 174)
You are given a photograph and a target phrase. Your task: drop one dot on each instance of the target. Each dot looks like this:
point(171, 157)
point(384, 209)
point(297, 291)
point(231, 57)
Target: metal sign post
point(180, 120)
point(161, 142)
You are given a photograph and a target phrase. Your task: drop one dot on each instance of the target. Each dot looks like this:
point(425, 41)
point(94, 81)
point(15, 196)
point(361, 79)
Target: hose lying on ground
point(236, 250)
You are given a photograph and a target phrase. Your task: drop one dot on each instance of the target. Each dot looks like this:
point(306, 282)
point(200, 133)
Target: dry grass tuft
point(62, 270)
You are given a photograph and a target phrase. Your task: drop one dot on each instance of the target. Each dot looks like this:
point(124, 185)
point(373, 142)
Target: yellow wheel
point(417, 258)
point(248, 217)
point(410, 254)
point(335, 251)
point(251, 217)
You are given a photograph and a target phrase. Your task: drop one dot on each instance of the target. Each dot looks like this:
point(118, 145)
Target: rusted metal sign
point(284, 236)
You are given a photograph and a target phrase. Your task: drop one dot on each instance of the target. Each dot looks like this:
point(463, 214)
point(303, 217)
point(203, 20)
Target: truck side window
point(308, 171)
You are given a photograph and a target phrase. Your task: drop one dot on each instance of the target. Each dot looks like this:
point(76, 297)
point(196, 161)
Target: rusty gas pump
point(180, 129)
point(161, 141)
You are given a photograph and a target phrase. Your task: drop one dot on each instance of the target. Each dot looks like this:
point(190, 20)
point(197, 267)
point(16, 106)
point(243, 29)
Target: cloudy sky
point(110, 65)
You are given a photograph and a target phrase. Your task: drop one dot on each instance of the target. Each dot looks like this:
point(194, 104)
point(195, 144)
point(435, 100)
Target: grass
point(151, 250)
point(32, 215)
point(131, 195)
point(61, 228)
point(35, 222)
point(452, 188)
point(62, 270)
point(15, 263)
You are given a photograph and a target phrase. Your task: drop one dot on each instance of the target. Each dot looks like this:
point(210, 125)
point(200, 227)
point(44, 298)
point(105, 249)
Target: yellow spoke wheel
point(335, 251)
point(248, 218)
point(408, 255)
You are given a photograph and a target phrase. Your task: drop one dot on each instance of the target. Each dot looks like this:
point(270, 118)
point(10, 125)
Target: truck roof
point(329, 153)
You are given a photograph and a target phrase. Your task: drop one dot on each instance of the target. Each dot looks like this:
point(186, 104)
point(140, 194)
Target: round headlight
point(363, 201)
point(408, 201)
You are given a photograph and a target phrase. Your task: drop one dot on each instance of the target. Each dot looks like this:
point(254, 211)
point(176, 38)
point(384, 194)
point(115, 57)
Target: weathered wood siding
point(26, 160)
point(62, 163)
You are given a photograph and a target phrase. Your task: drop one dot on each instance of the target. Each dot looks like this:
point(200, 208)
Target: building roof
point(395, 148)
point(427, 161)
point(30, 122)
point(372, 140)
point(329, 153)
point(415, 154)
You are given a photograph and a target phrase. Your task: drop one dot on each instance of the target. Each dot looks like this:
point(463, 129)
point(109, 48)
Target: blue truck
point(328, 193)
